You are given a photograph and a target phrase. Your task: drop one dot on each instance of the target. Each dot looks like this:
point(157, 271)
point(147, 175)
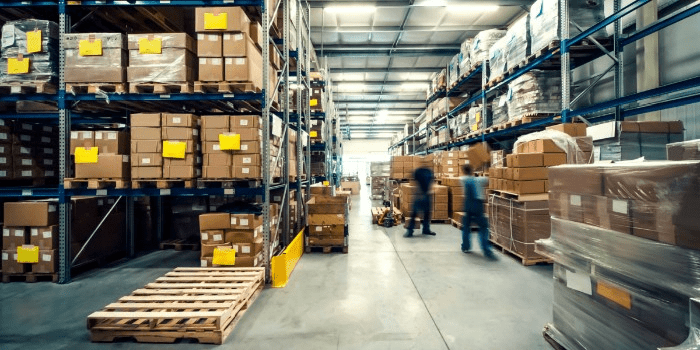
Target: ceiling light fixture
point(350, 9)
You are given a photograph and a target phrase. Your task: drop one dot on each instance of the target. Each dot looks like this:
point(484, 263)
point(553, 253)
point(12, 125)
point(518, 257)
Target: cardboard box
point(216, 122)
point(181, 172)
point(545, 146)
point(244, 236)
point(175, 133)
point(525, 160)
point(554, 159)
point(217, 172)
point(247, 160)
point(85, 139)
point(209, 45)
point(146, 172)
point(189, 160)
point(208, 249)
point(46, 238)
point(241, 221)
point(211, 69)
point(529, 187)
point(212, 135)
point(48, 262)
point(147, 160)
point(580, 179)
point(145, 120)
point(247, 250)
point(247, 172)
point(115, 166)
point(212, 236)
point(214, 221)
point(252, 147)
point(523, 174)
point(109, 67)
point(112, 142)
point(239, 45)
point(244, 69)
point(573, 129)
point(13, 237)
point(146, 133)
point(10, 264)
point(236, 19)
point(31, 213)
point(245, 121)
point(478, 155)
point(146, 146)
point(182, 120)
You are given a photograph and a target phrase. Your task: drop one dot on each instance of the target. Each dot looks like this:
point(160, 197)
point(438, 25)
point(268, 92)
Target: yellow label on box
point(34, 41)
point(90, 48)
point(475, 127)
point(174, 149)
point(313, 102)
point(230, 142)
point(85, 155)
point(17, 66)
point(224, 256)
point(478, 117)
point(28, 254)
point(326, 183)
point(313, 133)
point(150, 47)
point(614, 294)
point(216, 21)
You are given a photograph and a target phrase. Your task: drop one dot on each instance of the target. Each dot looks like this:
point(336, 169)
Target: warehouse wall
point(365, 147)
point(679, 59)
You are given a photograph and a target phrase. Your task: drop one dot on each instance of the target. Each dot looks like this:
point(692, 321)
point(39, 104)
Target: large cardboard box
point(244, 69)
point(214, 221)
point(247, 172)
point(146, 172)
point(211, 69)
point(108, 67)
point(573, 129)
point(145, 119)
point(212, 236)
point(242, 221)
point(147, 160)
point(177, 133)
point(114, 166)
point(46, 238)
point(221, 19)
point(146, 133)
point(10, 264)
point(217, 172)
point(31, 213)
point(523, 174)
point(240, 45)
point(244, 236)
point(112, 142)
point(175, 64)
point(209, 45)
point(13, 237)
point(48, 262)
point(525, 160)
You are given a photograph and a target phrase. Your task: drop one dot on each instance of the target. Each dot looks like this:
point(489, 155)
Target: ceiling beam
point(340, 70)
point(397, 29)
point(408, 3)
point(347, 101)
point(402, 53)
point(381, 83)
point(388, 47)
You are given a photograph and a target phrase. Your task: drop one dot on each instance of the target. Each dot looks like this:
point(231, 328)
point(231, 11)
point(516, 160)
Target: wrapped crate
point(161, 58)
point(29, 52)
point(85, 66)
point(545, 20)
point(479, 49)
point(498, 59)
point(519, 42)
point(534, 93)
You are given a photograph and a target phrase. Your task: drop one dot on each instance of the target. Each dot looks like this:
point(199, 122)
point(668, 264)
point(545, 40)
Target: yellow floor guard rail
point(283, 264)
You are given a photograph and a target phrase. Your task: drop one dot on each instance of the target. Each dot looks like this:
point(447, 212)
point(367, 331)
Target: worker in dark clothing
point(474, 211)
point(422, 203)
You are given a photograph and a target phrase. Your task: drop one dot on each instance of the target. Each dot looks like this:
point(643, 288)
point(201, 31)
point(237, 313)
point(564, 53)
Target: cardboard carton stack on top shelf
point(165, 146)
point(232, 147)
point(161, 62)
point(95, 60)
point(101, 154)
point(28, 152)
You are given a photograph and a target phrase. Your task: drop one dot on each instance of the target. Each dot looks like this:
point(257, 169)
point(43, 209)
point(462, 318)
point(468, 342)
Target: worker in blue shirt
point(424, 178)
point(474, 211)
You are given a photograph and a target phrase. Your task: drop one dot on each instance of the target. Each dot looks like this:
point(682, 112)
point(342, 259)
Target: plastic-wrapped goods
point(516, 225)
point(476, 121)
point(499, 110)
point(453, 70)
point(518, 46)
point(479, 49)
point(535, 92)
point(498, 58)
point(161, 58)
point(439, 81)
point(545, 20)
point(84, 65)
point(564, 142)
point(36, 41)
point(686, 150)
point(465, 61)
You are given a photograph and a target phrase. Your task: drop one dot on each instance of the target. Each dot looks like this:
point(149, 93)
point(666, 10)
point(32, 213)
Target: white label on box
point(46, 234)
point(240, 61)
point(87, 134)
point(47, 129)
point(2, 149)
point(235, 247)
point(244, 147)
point(238, 37)
point(3, 136)
point(244, 122)
point(245, 249)
point(5, 256)
point(247, 160)
point(52, 208)
point(25, 138)
point(111, 136)
point(48, 161)
point(203, 263)
point(6, 232)
point(177, 120)
point(46, 139)
point(26, 162)
point(19, 233)
point(100, 202)
point(233, 220)
point(48, 150)
point(14, 256)
point(25, 150)
point(3, 160)
point(8, 35)
point(3, 173)
point(227, 36)
point(216, 147)
point(449, 162)
point(244, 222)
point(216, 61)
point(98, 135)
point(314, 122)
point(212, 37)
point(229, 61)
point(579, 281)
point(255, 261)
point(218, 238)
point(195, 132)
point(619, 206)
point(125, 159)
point(319, 228)
point(245, 170)
point(46, 257)
point(146, 161)
point(205, 236)
point(35, 231)
point(575, 200)
point(48, 173)
point(200, 36)
point(27, 127)
point(202, 61)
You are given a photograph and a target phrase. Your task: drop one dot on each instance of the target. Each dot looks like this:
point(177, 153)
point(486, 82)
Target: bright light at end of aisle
point(350, 9)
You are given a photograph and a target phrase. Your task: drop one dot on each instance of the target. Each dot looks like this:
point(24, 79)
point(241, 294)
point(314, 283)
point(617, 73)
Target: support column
point(648, 56)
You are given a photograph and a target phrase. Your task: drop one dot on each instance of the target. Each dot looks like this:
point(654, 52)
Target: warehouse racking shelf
point(64, 117)
point(562, 53)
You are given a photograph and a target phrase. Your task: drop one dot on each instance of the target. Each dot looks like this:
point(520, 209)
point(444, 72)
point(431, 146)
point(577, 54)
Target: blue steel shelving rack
point(594, 113)
point(64, 119)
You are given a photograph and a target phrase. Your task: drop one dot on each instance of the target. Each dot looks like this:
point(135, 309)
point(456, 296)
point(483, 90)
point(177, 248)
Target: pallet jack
point(387, 218)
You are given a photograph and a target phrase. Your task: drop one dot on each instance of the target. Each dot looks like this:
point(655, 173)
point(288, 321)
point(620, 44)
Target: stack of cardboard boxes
point(165, 146)
point(96, 58)
point(240, 232)
point(439, 197)
point(100, 154)
point(403, 167)
point(167, 58)
point(455, 193)
point(232, 147)
point(327, 220)
point(32, 228)
point(686, 150)
point(317, 132)
point(316, 100)
point(28, 152)
point(448, 164)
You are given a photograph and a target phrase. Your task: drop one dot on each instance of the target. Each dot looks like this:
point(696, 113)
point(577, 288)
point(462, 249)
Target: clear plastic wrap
point(499, 110)
point(516, 225)
point(545, 20)
point(570, 146)
point(465, 60)
point(518, 42)
point(454, 69)
point(479, 49)
point(43, 65)
point(498, 58)
point(475, 119)
point(109, 67)
point(175, 63)
point(535, 92)
point(686, 150)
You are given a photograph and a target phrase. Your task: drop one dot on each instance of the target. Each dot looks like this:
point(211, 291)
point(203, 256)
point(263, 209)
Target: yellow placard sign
point(326, 183)
point(224, 256)
point(174, 149)
point(216, 21)
point(478, 117)
point(475, 127)
point(90, 47)
point(34, 41)
point(313, 133)
point(230, 142)
point(85, 155)
point(614, 294)
point(313, 102)
point(149, 46)
point(18, 65)
point(28, 254)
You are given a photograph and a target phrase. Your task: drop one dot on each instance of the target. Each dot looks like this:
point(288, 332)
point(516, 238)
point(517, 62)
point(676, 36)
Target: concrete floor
point(389, 292)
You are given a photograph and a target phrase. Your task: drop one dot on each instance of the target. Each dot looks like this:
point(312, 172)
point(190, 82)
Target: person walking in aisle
point(474, 211)
point(422, 203)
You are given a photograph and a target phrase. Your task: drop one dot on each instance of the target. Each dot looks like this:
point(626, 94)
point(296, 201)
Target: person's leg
point(466, 232)
point(484, 235)
point(427, 210)
point(412, 221)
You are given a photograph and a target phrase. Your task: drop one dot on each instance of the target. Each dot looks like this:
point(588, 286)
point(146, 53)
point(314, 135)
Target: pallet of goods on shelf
point(545, 21)
point(28, 153)
point(641, 139)
point(684, 150)
point(534, 94)
point(403, 167)
point(482, 43)
point(161, 63)
point(624, 242)
point(29, 57)
point(519, 44)
point(95, 62)
point(100, 159)
point(498, 60)
point(327, 222)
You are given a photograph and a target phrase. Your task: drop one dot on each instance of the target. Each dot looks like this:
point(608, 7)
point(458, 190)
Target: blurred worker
point(424, 177)
point(474, 211)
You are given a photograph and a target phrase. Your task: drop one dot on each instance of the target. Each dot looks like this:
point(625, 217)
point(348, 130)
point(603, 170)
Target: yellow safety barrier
point(283, 264)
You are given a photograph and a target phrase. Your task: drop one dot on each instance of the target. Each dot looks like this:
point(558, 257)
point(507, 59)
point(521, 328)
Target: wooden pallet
point(93, 88)
point(526, 261)
point(228, 183)
point(326, 249)
point(27, 88)
point(522, 197)
point(493, 82)
point(163, 183)
point(160, 88)
point(203, 304)
point(30, 277)
point(95, 183)
point(456, 224)
point(225, 87)
point(406, 219)
point(179, 244)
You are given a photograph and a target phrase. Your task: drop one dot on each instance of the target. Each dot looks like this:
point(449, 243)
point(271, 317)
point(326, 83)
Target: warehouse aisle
point(387, 293)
